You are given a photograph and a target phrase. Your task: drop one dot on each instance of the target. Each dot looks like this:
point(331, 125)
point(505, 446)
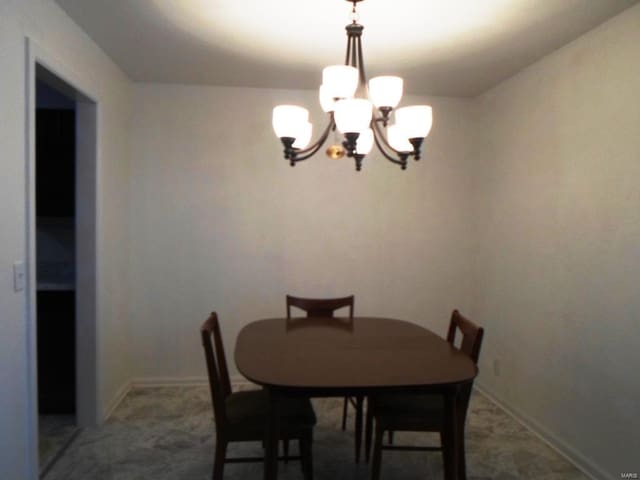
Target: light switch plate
point(19, 277)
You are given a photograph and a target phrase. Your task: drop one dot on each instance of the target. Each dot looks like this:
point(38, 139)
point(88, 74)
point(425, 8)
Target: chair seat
point(249, 411)
point(423, 412)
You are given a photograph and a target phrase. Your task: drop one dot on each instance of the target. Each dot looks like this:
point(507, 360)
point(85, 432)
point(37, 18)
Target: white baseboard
point(117, 399)
point(576, 458)
point(149, 382)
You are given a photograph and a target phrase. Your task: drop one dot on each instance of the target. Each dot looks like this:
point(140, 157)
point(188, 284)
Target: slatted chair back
point(472, 336)
point(320, 307)
point(219, 381)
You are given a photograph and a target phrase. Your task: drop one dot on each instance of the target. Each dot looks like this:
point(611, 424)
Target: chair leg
point(306, 455)
point(390, 437)
point(368, 430)
point(446, 453)
point(344, 413)
point(377, 454)
point(358, 432)
point(285, 450)
point(218, 461)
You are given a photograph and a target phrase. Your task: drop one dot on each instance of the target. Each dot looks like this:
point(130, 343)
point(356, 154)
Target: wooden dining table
point(360, 356)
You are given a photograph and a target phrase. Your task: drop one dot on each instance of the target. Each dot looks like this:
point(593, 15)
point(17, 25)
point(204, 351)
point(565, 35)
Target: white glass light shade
point(353, 115)
point(398, 139)
point(340, 81)
point(303, 136)
point(385, 91)
point(415, 121)
point(288, 119)
point(365, 142)
point(326, 100)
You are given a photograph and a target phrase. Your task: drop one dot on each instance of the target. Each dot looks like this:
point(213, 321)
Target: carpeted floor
point(55, 432)
point(167, 434)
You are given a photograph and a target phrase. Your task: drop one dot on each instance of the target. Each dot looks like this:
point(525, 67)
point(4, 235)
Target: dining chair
point(243, 416)
point(320, 307)
point(326, 307)
point(420, 412)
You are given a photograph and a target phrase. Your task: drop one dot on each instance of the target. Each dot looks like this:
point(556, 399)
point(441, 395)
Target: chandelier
point(349, 103)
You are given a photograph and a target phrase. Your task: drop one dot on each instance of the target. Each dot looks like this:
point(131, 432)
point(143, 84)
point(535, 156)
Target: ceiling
point(440, 47)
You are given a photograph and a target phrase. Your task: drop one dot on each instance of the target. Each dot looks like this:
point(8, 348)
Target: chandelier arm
point(354, 52)
point(308, 152)
point(363, 77)
point(386, 155)
point(377, 134)
point(353, 60)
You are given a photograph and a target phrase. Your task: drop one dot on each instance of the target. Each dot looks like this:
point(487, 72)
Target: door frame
point(42, 65)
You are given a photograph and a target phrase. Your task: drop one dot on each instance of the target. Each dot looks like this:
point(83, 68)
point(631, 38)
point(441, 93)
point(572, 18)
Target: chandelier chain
point(355, 16)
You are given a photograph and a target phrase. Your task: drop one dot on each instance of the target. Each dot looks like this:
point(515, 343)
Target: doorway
point(62, 259)
point(55, 146)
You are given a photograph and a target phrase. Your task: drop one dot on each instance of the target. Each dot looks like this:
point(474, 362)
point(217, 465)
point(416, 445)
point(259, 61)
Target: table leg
point(450, 435)
point(461, 468)
point(271, 441)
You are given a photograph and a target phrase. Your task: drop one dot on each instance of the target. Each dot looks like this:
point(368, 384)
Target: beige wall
point(558, 212)
point(63, 43)
point(219, 220)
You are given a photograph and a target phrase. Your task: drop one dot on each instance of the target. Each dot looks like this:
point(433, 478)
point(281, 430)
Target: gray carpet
point(167, 434)
point(55, 432)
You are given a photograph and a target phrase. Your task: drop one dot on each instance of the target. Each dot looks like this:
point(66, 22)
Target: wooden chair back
point(472, 336)
point(219, 381)
point(320, 307)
